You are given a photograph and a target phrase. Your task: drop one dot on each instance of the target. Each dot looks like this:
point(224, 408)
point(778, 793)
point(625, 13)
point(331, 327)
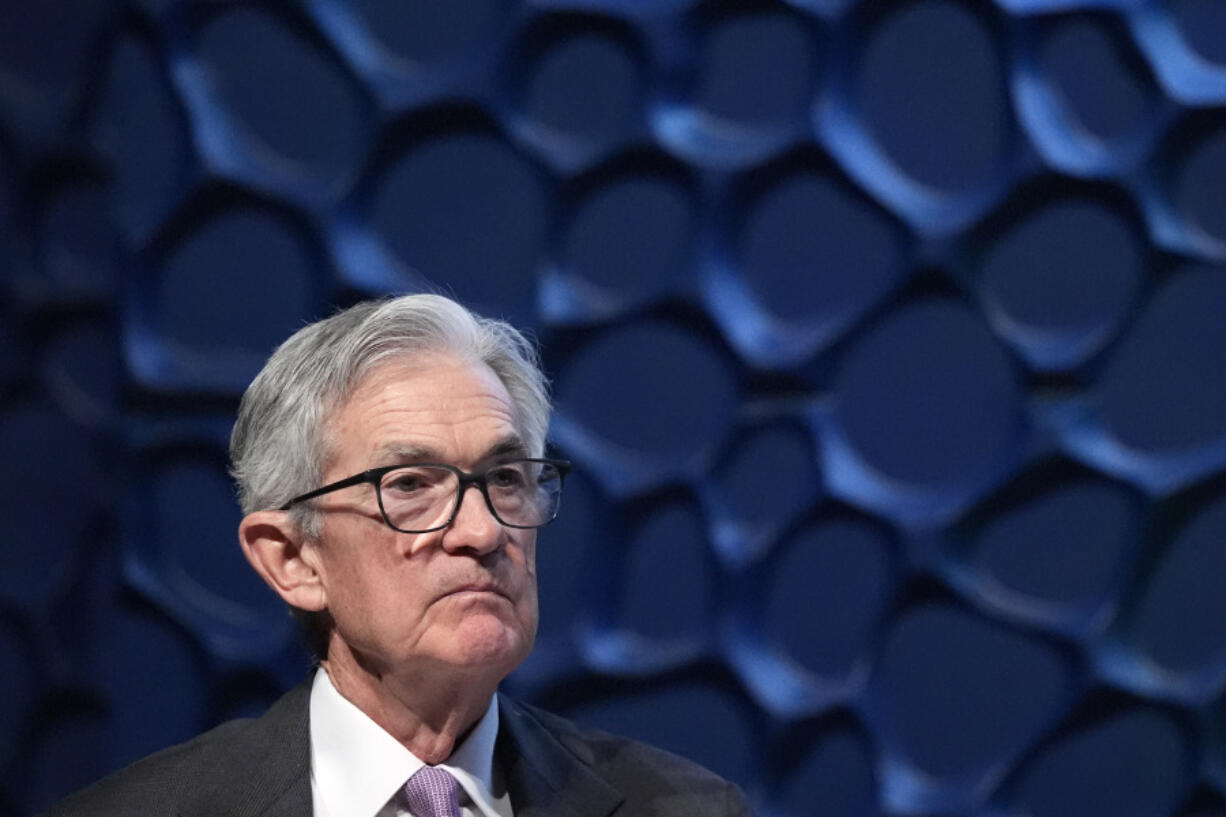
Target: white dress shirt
point(357, 768)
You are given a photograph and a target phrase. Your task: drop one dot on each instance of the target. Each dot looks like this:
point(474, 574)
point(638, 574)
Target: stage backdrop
point(887, 340)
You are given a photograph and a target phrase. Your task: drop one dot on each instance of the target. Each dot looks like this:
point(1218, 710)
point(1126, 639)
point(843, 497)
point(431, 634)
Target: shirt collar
point(356, 767)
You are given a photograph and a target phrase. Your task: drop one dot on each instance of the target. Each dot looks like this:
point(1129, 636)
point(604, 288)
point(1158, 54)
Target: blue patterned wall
point(887, 338)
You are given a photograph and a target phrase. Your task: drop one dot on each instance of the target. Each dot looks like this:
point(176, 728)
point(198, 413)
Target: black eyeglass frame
point(374, 476)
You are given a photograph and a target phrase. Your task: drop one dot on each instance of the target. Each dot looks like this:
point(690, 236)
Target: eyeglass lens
point(521, 493)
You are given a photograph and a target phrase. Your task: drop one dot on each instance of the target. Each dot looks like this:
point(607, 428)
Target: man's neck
point(428, 715)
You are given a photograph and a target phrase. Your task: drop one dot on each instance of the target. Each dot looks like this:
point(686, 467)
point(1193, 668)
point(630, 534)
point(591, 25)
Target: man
point(390, 465)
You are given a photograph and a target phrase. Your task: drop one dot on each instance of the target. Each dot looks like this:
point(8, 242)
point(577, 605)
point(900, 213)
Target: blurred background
point(886, 337)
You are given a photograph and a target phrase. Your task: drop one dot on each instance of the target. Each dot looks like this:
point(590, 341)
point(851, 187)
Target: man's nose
point(474, 526)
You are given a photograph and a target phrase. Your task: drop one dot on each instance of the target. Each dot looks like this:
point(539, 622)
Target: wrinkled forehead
point(331, 441)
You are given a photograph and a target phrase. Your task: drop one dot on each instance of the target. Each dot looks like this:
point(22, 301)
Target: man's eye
point(404, 483)
point(505, 477)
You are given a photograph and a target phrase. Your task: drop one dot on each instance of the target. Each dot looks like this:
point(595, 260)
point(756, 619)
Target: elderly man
point(390, 465)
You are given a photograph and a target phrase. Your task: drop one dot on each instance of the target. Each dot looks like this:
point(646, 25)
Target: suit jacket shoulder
point(560, 768)
point(261, 768)
point(243, 768)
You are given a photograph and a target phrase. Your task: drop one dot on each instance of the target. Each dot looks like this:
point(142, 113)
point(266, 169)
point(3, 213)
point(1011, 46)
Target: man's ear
point(283, 557)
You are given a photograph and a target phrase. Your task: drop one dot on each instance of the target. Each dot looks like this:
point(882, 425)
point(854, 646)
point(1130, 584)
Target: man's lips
point(478, 587)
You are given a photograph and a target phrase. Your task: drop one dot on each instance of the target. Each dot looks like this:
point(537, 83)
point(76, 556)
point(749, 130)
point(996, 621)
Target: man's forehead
point(408, 378)
point(418, 379)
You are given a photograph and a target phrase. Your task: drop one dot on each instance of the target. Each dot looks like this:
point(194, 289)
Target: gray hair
point(280, 447)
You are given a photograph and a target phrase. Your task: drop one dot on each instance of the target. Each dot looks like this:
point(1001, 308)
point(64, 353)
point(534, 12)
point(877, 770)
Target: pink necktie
point(433, 792)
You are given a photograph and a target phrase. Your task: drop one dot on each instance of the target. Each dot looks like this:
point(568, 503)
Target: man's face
point(460, 597)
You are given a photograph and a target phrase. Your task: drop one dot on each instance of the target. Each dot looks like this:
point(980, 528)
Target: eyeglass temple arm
point(356, 479)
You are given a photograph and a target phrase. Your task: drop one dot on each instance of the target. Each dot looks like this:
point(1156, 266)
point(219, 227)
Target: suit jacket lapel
point(543, 776)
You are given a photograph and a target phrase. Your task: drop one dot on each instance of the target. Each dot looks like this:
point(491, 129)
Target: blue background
point(887, 339)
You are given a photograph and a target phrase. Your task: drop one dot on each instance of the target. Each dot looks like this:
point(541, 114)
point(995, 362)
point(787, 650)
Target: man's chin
point(490, 640)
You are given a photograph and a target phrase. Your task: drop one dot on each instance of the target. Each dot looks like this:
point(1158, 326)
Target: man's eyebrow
point(394, 453)
point(509, 446)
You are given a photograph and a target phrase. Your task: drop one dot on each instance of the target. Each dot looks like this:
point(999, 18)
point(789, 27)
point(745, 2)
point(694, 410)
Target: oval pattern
point(1163, 390)
point(928, 397)
point(930, 90)
point(1129, 765)
point(692, 394)
point(1181, 617)
point(828, 595)
point(964, 696)
point(814, 253)
point(1060, 282)
point(466, 209)
point(291, 96)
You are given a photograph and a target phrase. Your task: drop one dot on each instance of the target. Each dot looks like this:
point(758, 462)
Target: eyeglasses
point(425, 497)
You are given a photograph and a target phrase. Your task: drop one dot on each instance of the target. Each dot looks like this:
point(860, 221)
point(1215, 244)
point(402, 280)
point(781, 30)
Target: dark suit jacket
point(261, 767)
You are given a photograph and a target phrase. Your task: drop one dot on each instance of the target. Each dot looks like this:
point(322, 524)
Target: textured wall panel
point(886, 339)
